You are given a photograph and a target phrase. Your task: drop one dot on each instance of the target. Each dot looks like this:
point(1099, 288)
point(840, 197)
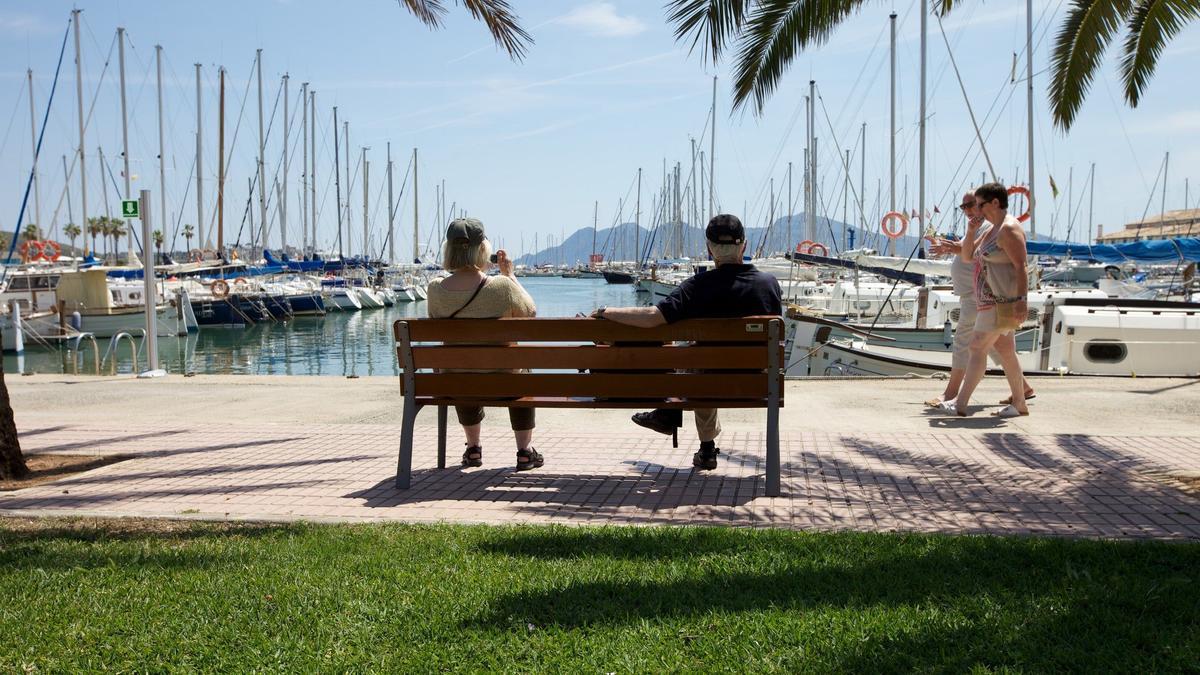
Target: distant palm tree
point(188, 233)
point(31, 232)
point(72, 231)
point(158, 238)
point(118, 232)
point(96, 226)
point(769, 34)
point(495, 14)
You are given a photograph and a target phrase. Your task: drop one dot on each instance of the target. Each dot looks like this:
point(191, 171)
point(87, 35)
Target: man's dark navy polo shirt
point(727, 292)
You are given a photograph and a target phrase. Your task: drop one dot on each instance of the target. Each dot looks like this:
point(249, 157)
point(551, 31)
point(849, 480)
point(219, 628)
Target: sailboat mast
point(349, 186)
point(128, 194)
point(1163, 208)
point(1092, 201)
point(811, 212)
point(284, 182)
point(862, 180)
point(1029, 112)
point(199, 163)
point(921, 125)
point(637, 224)
point(162, 150)
point(262, 171)
point(79, 99)
point(366, 184)
point(391, 210)
point(304, 168)
point(337, 182)
point(416, 213)
point(220, 168)
point(37, 202)
point(892, 128)
point(312, 174)
point(712, 154)
point(787, 245)
point(595, 225)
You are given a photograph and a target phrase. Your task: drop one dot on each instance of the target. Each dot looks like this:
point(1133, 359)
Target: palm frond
point(503, 24)
point(1078, 49)
point(428, 12)
point(943, 7)
point(712, 24)
point(1151, 25)
point(774, 33)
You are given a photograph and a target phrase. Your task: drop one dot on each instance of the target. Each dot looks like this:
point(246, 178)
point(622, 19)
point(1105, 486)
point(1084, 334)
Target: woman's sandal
point(529, 459)
point(1008, 400)
point(473, 456)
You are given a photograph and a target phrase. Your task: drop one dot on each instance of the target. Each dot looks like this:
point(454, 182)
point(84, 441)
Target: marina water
point(340, 343)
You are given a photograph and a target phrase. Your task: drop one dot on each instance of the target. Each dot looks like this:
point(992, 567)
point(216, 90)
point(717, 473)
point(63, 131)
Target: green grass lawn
point(137, 595)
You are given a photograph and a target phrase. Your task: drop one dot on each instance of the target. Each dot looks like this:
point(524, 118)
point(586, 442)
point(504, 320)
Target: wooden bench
point(737, 363)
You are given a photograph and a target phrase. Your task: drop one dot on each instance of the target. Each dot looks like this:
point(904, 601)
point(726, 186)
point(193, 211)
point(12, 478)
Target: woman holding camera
point(469, 293)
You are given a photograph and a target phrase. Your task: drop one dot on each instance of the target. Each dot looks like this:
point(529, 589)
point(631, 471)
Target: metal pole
point(1091, 200)
point(595, 225)
point(304, 169)
point(846, 200)
point(391, 210)
point(79, 99)
point(1029, 110)
point(862, 181)
point(100, 157)
point(128, 193)
point(637, 219)
point(349, 186)
point(1162, 212)
point(199, 162)
point(791, 209)
point(149, 286)
point(921, 126)
point(811, 212)
point(162, 150)
point(262, 172)
point(37, 202)
point(283, 190)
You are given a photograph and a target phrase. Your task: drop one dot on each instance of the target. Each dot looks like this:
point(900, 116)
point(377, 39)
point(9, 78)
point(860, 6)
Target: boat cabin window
point(38, 283)
point(1103, 351)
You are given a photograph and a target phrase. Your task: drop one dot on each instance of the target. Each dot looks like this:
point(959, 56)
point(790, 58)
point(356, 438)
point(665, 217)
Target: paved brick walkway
point(941, 481)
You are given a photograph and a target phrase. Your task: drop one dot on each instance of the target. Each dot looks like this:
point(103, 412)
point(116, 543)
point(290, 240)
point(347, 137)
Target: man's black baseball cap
point(725, 229)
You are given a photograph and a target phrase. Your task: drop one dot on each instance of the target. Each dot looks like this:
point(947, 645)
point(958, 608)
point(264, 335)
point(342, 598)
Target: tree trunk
point(12, 462)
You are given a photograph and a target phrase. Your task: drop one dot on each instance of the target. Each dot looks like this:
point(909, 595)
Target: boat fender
point(76, 321)
point(1024, 191)
point(899, 230)
point(947, 334)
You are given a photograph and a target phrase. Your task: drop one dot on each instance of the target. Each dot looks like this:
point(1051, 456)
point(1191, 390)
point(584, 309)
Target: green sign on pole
point(129, 208)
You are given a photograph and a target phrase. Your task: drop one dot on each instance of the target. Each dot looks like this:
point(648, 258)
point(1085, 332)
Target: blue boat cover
point(1153, 251)
point(293, 265)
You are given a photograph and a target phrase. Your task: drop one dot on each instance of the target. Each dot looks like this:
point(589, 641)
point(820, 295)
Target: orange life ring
point(220, 288)
point(31, 250)
point(812, 250)
point(889, 217)
point(804, 246)
point(1023, 191)
point(51, 250)
point(240, 281)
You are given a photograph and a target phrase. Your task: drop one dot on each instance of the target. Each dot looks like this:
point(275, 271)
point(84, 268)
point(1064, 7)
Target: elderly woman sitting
point(469, 293)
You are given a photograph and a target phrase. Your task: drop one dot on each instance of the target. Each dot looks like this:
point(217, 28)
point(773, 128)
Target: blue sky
point(529, 146)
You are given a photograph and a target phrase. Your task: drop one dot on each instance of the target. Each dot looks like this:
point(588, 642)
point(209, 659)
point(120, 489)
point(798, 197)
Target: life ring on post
point(804, 246)
point(1023, 191)
point(888, 218)
point(51, 250)
point(220, 288)
point(812, 249)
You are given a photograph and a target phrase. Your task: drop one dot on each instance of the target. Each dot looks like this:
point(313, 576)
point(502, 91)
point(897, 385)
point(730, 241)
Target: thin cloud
point(20, 23)
point(601, 19)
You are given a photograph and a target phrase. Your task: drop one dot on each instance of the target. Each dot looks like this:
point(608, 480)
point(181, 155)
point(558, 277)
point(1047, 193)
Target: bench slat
point(483, 331)
point(603, 385)
point(572, 357)
point(589, 403)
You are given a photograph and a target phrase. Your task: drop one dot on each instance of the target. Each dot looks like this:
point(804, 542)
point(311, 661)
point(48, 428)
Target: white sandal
point(1009, 411)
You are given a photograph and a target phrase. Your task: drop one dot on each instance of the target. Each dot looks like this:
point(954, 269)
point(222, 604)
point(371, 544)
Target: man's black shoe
point(655, 422)
point(705, 458)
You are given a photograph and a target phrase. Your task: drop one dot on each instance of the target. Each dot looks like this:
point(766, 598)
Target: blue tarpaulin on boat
point(1156, 251)
point(294, 265)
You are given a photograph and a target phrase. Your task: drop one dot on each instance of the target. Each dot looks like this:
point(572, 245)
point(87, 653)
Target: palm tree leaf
point(428, 12)
point(1152, 24)
point(712, 24)
point(1078, 49)
point(775, 32)
point(504, 25)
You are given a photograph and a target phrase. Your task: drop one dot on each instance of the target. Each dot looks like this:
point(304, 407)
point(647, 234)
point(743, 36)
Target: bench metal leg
point(675, 438)
point(774, 393)
point(773, 469)
point(441, 436)
point(404, 464)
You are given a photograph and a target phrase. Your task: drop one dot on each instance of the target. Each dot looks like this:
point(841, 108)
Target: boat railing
point(73, 351)
point(113, 347)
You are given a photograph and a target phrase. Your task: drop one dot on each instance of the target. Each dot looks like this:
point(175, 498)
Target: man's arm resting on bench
point(641, 317)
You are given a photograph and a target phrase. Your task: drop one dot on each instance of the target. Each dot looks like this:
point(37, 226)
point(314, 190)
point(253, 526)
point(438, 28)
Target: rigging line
point(232, 145)
point(845, 166)
point(36, 153)
point(966, 98)
point(13, 118)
